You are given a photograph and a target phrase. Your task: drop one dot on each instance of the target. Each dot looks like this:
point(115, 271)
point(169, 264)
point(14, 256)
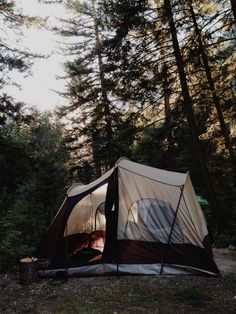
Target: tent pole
point(117, 271)
point(116, 205)
point(66, 250)
point(171, 230)
point(91, 215)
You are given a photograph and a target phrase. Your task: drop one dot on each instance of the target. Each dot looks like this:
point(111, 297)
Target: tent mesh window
point(151, 220)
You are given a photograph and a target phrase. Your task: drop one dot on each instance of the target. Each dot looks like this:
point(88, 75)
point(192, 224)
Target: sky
point(39, 88)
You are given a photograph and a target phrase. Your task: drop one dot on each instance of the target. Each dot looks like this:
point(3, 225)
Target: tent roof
point(162, 176)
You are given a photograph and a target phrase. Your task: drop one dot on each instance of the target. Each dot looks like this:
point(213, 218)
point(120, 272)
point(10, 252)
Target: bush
point(12, 247)
point(225, 239)
point(34, 175)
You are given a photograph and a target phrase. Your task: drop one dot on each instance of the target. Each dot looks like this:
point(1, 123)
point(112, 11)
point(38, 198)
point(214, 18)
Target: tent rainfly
point(134, 219)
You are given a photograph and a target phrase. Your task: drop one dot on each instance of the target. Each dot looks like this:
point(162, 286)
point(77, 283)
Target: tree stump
point(28, 270)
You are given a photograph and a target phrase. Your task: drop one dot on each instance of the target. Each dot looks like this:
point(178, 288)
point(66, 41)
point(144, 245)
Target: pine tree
point(189, 112)
point(143, 67)
point(12, 57)
point(211, 84)
point(89, 86)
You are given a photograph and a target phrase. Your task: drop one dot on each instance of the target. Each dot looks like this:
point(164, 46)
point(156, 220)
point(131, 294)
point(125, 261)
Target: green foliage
point(205, 207)
point(11, 246)
point(223, 240)
point(151, 147)
point(33, 181)
point(228, 236)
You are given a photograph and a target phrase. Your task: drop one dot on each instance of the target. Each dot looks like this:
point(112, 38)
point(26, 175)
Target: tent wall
point(108, 269)
point(138, 190)
point(174, 235)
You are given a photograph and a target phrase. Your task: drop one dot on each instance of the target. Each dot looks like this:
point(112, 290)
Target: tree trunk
point(166, 89)
point(96, 157)
point(233, 4)
point(28, 271)
point(105, 100)
point(187, 106)
point(215, 98)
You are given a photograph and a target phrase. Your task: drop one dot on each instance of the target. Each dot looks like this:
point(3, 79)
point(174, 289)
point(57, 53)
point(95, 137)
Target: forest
point(152, 80)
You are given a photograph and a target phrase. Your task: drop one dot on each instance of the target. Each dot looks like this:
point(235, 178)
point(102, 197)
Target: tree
point(189, 112)
point(104, 93)
point(97, 113)
point(215, 98)
point(12, 57)
point(141, 52)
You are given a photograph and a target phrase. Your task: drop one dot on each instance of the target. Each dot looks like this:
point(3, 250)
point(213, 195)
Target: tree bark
point(166, 89)
point(233, 4)
point(214, 96)
point(96, 157)
point(28, 271)
point(187, 106)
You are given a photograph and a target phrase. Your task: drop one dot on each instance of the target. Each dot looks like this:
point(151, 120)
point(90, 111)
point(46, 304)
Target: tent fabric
point(86, 214)
point(137, 269)
point(132, 215)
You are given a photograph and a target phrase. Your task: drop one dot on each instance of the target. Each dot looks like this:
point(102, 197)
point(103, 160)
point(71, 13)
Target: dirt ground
point(225, 260)
point(126, 294)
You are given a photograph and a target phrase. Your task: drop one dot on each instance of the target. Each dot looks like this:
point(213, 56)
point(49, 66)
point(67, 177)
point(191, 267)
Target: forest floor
point(126, 294)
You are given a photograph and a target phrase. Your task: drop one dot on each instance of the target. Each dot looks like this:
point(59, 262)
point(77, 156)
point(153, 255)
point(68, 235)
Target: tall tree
point(89, 85)
point(189, 112)
point(105, 100)
point(214, 95)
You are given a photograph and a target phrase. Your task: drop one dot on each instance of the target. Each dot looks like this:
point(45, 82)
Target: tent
point(134, 219)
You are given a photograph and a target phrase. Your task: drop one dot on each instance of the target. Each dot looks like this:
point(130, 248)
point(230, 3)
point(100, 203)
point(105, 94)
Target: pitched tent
point(134, 219)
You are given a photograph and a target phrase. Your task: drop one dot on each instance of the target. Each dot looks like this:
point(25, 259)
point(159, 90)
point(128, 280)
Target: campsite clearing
point(126, 294)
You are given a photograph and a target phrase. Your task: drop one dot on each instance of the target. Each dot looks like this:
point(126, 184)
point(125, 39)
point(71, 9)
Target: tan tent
point(134, 219)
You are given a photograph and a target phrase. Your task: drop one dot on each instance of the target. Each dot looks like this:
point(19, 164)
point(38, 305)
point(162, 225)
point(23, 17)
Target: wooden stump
point(28, 270)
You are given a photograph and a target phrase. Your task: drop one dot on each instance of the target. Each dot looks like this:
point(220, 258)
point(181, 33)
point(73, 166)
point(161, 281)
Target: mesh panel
point(151, 220)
